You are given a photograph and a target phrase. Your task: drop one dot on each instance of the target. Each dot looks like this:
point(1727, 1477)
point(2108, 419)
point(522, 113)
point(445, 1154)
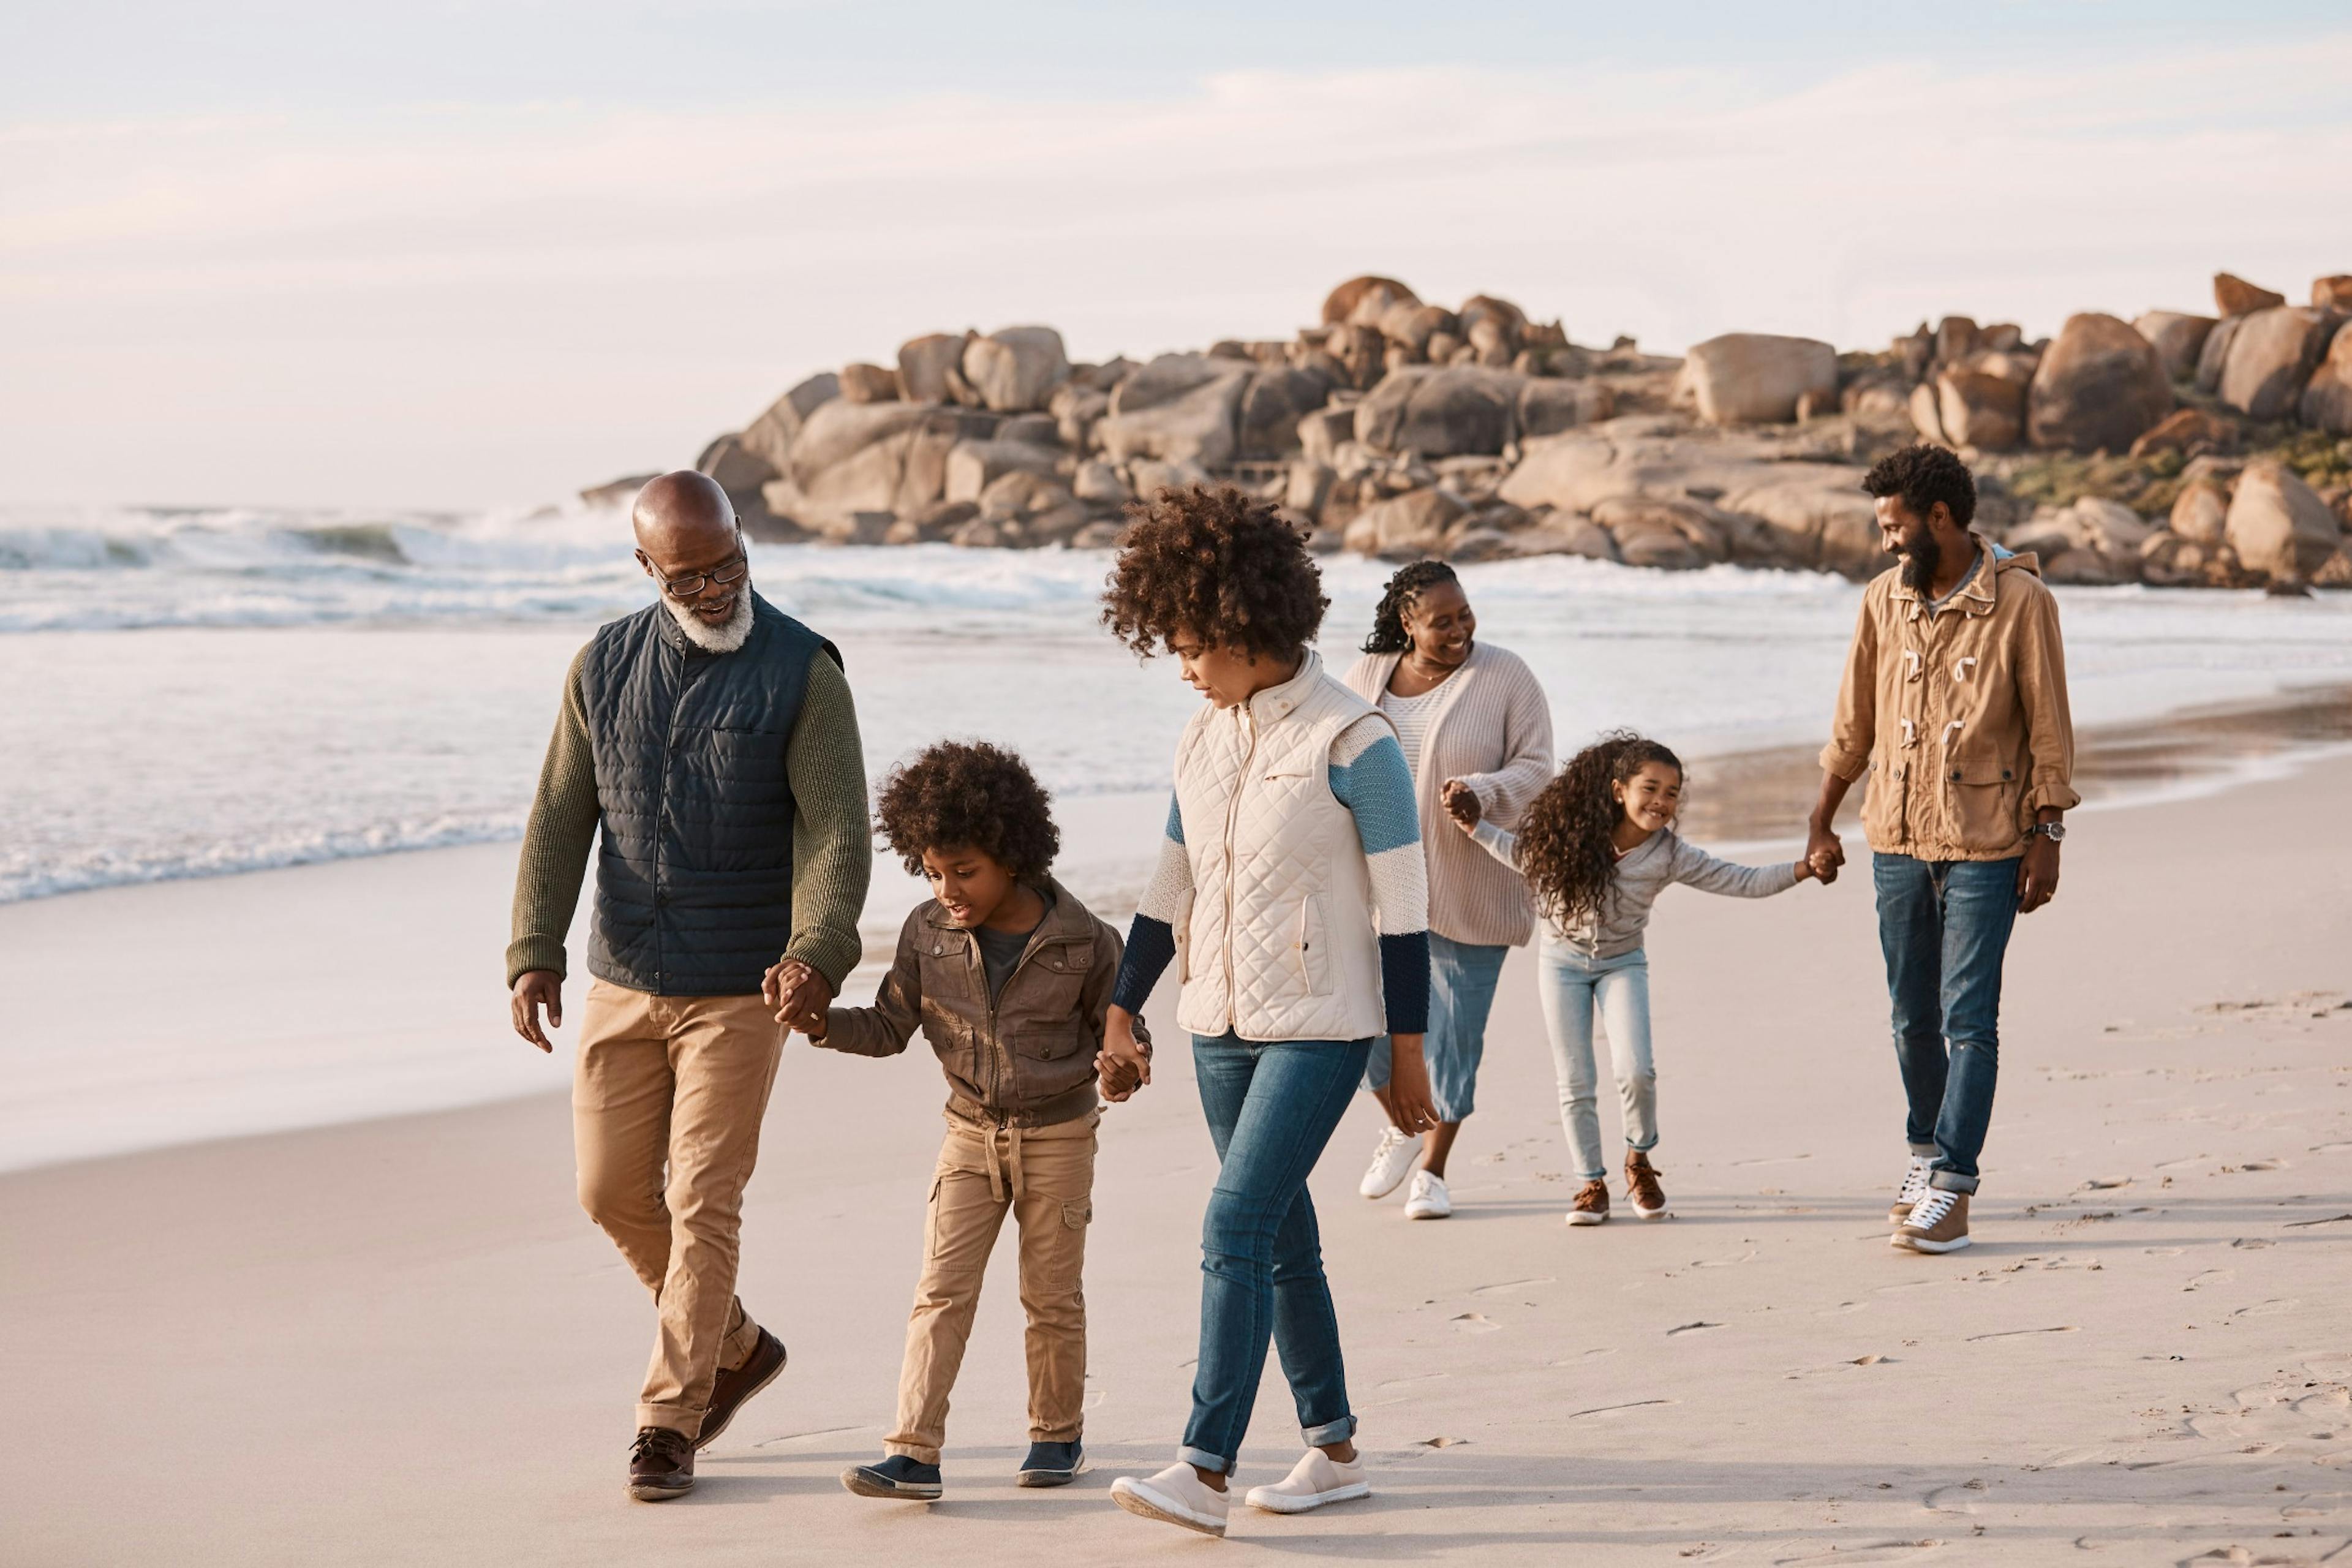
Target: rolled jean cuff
point(1952, 1182)
point(677, 1418)
point(921, 1456)
point(1330, 1432)
point(1924, 1151)
point(1202, 1459)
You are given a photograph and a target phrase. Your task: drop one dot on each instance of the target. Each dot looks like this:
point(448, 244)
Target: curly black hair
point(969, 794)
point(1924, 474)
point(1564, 838)
point(1408, 584)
point(1218, 564)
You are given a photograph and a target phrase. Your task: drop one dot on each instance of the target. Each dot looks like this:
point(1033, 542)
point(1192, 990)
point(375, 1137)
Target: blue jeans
point(1271, 1109)
point(1462, 977)
point(1573, 988)
point(1945, 927)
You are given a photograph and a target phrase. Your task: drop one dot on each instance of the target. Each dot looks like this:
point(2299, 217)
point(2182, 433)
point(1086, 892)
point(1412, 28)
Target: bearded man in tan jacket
point(1954, 703)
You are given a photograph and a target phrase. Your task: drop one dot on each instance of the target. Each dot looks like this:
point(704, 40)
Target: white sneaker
point(1391, 1161)
point(1177, 1495)
point(1428, 1199)
point(1315, 1479)
point(1915, 1187)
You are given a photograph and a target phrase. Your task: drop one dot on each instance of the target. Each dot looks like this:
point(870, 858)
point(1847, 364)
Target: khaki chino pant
point(666, 1110)
point(1045, 1176)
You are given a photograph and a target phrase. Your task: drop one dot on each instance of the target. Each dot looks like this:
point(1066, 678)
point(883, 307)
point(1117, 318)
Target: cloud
point(469, 304)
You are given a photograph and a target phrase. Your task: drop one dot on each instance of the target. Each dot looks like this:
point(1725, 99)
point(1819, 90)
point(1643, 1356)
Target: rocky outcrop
point(1017, 369)
point(1742, 378)
point(2327, 401)
point(2096, 388)
point(1178, 407)
point(2332, 293)
point(862, 382)
point(1363, 301)
point(2271, 357)
point(2279, 526)
point(931, 367)
point(769, 436)
point(2233, 296)
point(1981, 399)
point(1449, 413)
point(2176, 337)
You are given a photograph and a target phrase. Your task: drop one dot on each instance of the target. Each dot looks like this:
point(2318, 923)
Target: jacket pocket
point(1312, 949)
point(1983, 793)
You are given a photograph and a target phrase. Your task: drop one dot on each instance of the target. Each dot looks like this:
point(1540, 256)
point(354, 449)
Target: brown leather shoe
point(661, 1465)
point(1592, 1205)
point(1648, 1199)
point(1937, 1223)
point(734, 1389)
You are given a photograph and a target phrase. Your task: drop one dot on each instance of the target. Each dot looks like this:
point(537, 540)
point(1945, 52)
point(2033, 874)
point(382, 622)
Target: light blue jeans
point(1462, 977)
point(1574, 987)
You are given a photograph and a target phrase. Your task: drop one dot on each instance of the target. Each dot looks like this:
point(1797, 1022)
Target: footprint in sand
point(2345, 1148)
point(1961, 1497)
point(1513, 1284)
point(1613, 1409)
point(1692, 1329)
point(1748, 1256)
point(2210, 1276)
point(1475, 1324)
point(1875, 1552)
point(2013, 1334)
point(2270, 1309)
point(1415, 1382)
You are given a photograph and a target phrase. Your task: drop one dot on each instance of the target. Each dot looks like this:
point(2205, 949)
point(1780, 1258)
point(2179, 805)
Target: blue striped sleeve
point(1370, 777)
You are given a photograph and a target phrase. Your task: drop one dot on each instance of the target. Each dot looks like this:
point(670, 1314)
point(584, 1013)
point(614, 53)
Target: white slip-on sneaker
point(1391, 1161)
point(1428, 1199)
point(1315, 1479)
point(1175, 1496)
point(1914, 1188)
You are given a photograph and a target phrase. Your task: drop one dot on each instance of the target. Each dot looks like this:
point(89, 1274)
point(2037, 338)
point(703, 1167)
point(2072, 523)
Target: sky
point(467, 255)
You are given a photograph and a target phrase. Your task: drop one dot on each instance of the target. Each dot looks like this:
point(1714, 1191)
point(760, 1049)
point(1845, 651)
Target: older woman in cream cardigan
point(1475, 724)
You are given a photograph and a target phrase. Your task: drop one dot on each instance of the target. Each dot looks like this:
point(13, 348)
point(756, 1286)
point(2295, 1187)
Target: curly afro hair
point(969, 794)
point(1565, 847)
point(1923, 474)
point(1212, 563)
point(1407, 586)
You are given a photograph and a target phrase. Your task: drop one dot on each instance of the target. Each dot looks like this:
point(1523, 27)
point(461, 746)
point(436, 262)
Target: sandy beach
point(399, 1341)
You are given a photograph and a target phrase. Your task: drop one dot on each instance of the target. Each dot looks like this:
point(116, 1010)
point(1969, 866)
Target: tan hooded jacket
point(1960, 718)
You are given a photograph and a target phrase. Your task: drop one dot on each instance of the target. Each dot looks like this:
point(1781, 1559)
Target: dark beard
point(1920, 561)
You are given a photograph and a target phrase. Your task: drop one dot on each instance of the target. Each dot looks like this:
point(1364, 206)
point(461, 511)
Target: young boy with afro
point(1008, 976)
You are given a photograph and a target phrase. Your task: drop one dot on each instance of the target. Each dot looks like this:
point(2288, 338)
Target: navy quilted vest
point(694, 862)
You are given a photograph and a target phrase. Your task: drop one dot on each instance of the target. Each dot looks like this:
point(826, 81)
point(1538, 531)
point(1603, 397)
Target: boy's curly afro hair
point(1220, 565)
point(967, 794)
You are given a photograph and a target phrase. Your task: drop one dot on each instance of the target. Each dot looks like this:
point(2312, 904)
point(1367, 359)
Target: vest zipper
point(1248, 721)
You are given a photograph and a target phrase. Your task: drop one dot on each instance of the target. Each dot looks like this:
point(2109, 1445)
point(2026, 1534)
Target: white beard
point(710, 638)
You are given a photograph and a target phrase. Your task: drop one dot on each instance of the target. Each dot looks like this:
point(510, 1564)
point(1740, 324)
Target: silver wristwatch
point(2052, 831)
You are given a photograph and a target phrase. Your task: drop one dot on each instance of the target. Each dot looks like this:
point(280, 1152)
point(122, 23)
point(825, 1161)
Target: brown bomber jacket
point(1959, 717)
point(1028, 1060)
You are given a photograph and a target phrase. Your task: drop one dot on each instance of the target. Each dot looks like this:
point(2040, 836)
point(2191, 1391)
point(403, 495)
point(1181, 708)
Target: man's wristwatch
point(2052, 831)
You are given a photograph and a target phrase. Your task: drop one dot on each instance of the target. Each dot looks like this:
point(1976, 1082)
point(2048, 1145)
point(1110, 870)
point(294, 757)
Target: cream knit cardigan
point(1492, 729)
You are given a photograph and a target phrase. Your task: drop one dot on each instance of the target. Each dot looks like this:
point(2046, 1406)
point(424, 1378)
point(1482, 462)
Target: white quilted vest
point(1277, 942)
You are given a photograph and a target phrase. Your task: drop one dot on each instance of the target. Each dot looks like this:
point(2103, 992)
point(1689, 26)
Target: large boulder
point(2215, 353)
point(1273, 402)
point(2097, 387)
point(1405, 526)
point(2271, 358)
point(1364, 300)
point(2189, 431)
point(2201, 513)
point(863, 383)
point(2175, 336)
point(2279, 526)
point(973, 466)
point(1742, 378)
point(1548, 406)
point(1980, 400)
point(1409, 329)
point(1321, 432)
point(1361, 353)
point(740, 471)
point(2332, 293)
point(1434, 412)
point(1032, 509)
point(1672, 535)
point(889, 457)
point(769, 436)
point(2233, 296)
point(1075, 408)
point(926, 365)
point(1178, 408)
point(1017, 369)
point(2327, 395)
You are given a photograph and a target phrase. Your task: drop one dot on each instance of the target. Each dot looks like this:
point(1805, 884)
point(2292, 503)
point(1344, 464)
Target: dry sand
point(400, 1342)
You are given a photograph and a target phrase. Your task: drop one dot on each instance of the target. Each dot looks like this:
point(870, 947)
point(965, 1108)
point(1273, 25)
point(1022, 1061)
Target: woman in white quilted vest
point(1476, 730)
point(1290, 894)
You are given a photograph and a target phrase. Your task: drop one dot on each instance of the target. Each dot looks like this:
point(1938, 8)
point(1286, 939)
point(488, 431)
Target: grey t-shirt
point(1001, 950)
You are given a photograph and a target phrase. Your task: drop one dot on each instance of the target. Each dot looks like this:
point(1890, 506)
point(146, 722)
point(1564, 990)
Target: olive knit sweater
point(832, 847)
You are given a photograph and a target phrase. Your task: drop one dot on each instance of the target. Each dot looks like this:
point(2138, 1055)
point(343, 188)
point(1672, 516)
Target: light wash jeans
point(1573, 987)
point(1462, 976)
point(1271, 1109)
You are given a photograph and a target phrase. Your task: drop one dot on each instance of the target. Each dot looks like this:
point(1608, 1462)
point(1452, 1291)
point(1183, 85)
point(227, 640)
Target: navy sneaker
point(895, 1477)
point(1052, 1465)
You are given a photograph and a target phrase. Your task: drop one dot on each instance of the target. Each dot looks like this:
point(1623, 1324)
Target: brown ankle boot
point(1648, 1199)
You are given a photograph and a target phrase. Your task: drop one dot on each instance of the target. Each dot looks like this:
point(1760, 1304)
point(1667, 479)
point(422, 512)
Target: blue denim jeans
point(1271, 1109)
point(1945, 927)
point(1573, 988)
point(1462, 977)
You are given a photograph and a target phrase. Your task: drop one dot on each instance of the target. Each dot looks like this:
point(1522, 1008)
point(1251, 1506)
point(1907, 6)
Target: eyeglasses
point(689, 586)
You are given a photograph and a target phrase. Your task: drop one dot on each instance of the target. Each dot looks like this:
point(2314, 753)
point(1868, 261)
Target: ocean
point(196, 692)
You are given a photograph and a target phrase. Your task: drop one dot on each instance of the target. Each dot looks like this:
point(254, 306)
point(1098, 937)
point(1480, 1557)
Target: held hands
point(1415, 1106)
point(1461, 803)
point(799, 995)
point(1824, 853)
point(534, 989)
point(1125, 1064)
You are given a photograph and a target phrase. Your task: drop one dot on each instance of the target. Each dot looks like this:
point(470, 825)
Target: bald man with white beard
point(707, 750)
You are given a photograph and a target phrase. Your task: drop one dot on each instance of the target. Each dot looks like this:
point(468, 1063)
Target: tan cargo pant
point(665, 1108)
point(1046, 1175)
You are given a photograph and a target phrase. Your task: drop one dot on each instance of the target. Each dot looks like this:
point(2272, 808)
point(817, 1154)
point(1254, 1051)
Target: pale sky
point(483, 254)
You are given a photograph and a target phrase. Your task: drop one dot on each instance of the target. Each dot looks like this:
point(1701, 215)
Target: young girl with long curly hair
point(1597, 846)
